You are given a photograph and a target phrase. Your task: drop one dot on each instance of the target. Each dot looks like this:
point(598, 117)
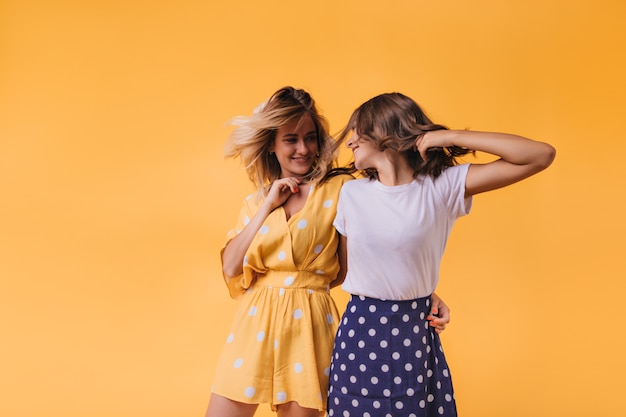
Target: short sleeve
point(451, 186)
point(238, 285)
point(340, 219)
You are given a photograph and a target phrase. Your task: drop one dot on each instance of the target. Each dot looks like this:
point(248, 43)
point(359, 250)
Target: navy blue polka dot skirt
point(388, 362)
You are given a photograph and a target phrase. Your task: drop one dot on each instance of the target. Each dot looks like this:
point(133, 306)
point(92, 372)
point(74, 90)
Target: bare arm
point(235, 250)
point(342, 254)
point(519, 157)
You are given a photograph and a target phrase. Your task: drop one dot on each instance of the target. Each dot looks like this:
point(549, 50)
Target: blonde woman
point(280, 262)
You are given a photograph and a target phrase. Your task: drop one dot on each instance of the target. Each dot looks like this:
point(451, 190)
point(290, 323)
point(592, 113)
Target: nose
point(301, 147)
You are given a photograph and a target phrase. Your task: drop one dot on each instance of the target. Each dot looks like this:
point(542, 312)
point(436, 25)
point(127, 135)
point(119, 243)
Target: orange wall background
point(115, 197)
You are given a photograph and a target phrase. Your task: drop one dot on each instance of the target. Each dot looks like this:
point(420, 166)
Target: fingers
point(289, 183)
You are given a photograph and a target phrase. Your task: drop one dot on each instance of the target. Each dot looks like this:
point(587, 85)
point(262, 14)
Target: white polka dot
point(230, 338)
point(420, 379)
point(395, 331)
point(264, 229)
point(361, 320)
point(352, 356)
point(383, 320)
point(260, 336)
point(376, 404)
point(429, 373)
point(372, 309)
point(430, 398)
point(252, 311)
point(407, 342)
point(372, 356)
point(387, 393)
point(438, 384)
point(374, 380)
point(418, 354)
point(328, 203)
point(416, 329)
point(289, 280)
point(344, 390)
point(405, 318)
point(445, 373)
point(281, 396)
point(351, 333)
point(448, 397)
point(399, 405)
point(397, 380)
point(414, 305)
point(297, 314)
point(371, 332)
point(355, 403)
point(440, 410)
point(317, 249)
point(298, 368)
point(362, 368)
point(395, 356)
point(408, 366)
point(353, 379)
point(302, 224)
point(422, 315)
point(364, 391)
point(249, 392)
point(238, 363)
point(394, 308)
point(352, 309)
point(383, 344)
point(329, 318)
point(282, 255)
point(361, 344)
point(422, 404)
point(410, 392)
point(384, 368)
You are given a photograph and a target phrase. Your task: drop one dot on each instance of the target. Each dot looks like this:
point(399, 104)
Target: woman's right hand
point(280, 190)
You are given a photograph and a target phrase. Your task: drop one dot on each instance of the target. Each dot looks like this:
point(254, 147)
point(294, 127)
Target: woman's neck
point(394, 169)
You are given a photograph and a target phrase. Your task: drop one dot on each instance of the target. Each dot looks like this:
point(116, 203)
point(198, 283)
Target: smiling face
point(296, 147)
point(364, 151)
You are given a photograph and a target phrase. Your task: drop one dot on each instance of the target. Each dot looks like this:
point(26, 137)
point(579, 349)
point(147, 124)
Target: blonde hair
point(255, 134)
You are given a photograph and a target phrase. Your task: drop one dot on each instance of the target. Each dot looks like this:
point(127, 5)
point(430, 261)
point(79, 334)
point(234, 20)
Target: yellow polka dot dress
point(280, 345)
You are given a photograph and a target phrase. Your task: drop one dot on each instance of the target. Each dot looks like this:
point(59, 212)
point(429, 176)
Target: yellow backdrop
point(115, 197)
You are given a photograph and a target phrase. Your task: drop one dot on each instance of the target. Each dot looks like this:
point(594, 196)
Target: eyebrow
point(293, 135)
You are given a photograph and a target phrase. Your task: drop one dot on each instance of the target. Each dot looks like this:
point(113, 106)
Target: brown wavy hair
point(395, 121)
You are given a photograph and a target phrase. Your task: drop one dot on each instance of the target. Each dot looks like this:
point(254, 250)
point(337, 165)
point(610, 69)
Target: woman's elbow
point(545, 157)
point(231, 270)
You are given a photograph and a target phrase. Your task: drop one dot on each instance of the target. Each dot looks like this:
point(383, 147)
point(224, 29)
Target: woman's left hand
point(439, 315)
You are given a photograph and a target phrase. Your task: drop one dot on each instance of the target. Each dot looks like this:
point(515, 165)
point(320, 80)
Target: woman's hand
point(280, 190)
point(439, 315)
point(433, 139)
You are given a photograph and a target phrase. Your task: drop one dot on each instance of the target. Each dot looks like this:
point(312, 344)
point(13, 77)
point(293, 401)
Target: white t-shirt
point(397, 234)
